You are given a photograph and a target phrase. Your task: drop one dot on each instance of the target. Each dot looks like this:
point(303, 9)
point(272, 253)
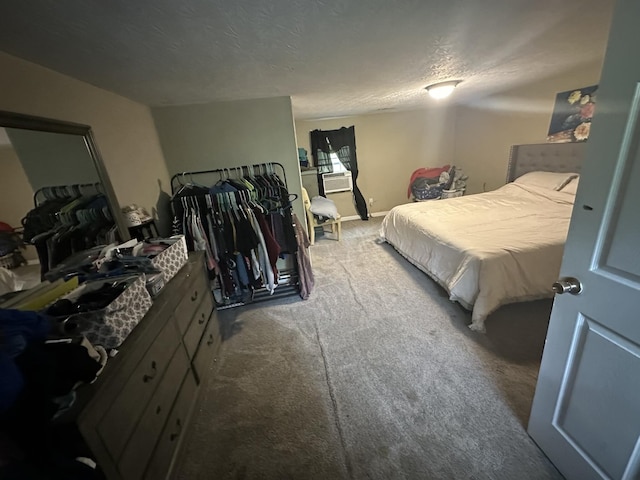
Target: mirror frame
point(42, 124)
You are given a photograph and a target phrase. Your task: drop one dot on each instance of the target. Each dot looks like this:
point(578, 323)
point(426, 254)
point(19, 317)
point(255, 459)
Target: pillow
point(549, 180)
point(572, 186)
point(323, 207)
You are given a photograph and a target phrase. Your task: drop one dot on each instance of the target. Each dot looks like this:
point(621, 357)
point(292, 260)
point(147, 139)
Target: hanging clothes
point(307, 280)
point(66, 224)
point(243, 225)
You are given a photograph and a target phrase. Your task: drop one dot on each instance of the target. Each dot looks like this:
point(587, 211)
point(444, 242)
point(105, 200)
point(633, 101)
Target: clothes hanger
point(217, 210)
point(185, 208)
point(234, 206)
point(208, 201)
point(221, 200)
point(194, 183)
point(183, 186)
point(242, 202)
point(221, 180)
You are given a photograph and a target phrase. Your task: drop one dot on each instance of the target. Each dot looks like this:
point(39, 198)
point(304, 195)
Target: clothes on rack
point(65, 225)
point(62, 191)
point(307, 280)
point(243, 225)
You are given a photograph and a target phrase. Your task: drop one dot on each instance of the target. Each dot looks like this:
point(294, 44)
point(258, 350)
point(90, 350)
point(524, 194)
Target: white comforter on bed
point(488, 249)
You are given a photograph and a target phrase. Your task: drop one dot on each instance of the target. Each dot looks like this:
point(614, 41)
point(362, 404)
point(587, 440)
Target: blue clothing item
point(242, 270)
point(17, 328)
point(12, 346)
point(223, 187)
point(11, 382)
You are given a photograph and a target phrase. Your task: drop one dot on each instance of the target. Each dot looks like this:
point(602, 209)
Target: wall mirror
point(45, 162)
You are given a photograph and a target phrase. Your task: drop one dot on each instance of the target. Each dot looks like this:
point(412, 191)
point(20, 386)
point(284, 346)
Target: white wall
point(230, 134)
point(485, 131)
point(16, 194)
point(50, 159)
point(476, 137)
point(390, 147)
point(123, 129)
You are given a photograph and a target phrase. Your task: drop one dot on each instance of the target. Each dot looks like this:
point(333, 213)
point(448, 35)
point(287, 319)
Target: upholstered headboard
point(547, 157)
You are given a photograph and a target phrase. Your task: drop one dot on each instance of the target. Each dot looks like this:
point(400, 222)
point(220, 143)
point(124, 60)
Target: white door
point(586, 410)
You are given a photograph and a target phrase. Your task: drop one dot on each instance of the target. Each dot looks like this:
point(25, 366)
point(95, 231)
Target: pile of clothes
point(430, 183)
point(11, 246)
point(38, 380)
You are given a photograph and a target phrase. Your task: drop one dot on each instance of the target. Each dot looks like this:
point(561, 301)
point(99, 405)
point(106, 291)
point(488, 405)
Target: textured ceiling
point(333, 57)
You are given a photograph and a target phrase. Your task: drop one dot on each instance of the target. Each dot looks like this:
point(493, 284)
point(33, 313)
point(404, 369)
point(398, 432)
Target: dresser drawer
point(198, 287)
point(174, 429)
point(138, 451)
point(208, 348)
point(197, 326)
point(119, 421)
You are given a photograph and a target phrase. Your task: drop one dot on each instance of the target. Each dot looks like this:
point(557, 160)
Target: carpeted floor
point(375, 376)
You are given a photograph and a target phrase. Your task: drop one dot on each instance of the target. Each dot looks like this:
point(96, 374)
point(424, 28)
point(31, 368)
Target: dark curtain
point(343, 143)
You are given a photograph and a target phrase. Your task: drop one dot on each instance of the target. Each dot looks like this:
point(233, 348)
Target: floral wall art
point(572, 114)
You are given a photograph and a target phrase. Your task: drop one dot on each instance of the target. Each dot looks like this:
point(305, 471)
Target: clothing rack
point(67, 219)
point(217, 211)
point(255, 169)
point(60, 191)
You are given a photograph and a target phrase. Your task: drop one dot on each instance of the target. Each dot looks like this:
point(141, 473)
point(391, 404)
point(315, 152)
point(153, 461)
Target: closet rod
point(177, 176)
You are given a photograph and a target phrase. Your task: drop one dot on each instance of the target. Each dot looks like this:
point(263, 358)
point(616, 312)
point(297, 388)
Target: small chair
point(312, 221)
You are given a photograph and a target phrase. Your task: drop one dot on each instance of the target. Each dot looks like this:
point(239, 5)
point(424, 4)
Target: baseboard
point(379, 214)
point(357, 217)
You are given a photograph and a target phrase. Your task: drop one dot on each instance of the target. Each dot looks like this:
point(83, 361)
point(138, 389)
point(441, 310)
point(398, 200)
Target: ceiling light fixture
point(442, 89)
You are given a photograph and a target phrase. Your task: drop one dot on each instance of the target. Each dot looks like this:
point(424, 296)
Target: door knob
point(567, 285)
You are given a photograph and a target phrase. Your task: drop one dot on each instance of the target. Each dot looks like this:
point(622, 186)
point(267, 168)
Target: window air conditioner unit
point(337, 182)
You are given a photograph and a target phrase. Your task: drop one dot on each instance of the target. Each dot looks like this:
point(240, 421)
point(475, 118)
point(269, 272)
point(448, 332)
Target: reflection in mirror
point(52, 158)
point(55, 198)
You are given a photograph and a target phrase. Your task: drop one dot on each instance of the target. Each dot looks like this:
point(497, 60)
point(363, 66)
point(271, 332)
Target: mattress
point(488, 249)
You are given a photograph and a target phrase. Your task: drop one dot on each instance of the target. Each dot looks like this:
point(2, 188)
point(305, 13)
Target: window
point(333, 162)
point(334, 151)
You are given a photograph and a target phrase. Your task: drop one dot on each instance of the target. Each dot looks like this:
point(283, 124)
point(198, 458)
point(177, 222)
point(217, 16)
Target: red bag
point(426, 173)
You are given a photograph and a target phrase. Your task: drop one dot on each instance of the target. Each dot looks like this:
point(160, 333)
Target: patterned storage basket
point(111, 325)
point(173, 258)
point(421, 189)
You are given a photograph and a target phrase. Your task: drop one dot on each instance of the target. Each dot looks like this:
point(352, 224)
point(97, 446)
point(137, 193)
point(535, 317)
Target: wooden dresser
point(139, 409)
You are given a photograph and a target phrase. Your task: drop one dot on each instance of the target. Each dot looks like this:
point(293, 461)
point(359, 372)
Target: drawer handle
point(210, 341)
point(194, 297)
point(173, 436)
point(150, 376)
point(201, 321)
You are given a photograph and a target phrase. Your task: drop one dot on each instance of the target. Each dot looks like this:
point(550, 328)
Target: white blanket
point(489, 249)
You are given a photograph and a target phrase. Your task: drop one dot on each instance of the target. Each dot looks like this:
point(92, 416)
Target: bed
point(497, 247)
